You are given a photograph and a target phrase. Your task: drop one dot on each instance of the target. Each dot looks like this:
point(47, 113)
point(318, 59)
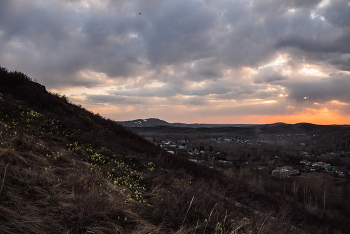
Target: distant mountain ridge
point(155, 122)
point(151, 122)
point(154, 125)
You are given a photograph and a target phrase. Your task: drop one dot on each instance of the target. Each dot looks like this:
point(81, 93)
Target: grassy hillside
point(64, 169)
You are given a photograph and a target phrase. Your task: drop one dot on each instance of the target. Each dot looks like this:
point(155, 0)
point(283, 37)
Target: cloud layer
point(189, 61)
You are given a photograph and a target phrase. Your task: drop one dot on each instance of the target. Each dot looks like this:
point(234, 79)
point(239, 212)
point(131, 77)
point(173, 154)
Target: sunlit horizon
point(321, 117)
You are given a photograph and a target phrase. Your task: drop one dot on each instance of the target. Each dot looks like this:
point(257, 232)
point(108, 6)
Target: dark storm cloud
point(173, 89)
point(110, 99)
point(204, 50)
point(268, 75)
point(73, 0)
point(334, 88)
point(43, 47)
point(251, 91)
point(204, 69)
point(339, 60)
point(180, 32)
point(167, 33)
point(137, 100)
point(243, 40)
point(167, 90)
point(37, 24)
point(67, 42)
point(215, 88)
point(337, 12)
point(322, 38)
point(302, 3)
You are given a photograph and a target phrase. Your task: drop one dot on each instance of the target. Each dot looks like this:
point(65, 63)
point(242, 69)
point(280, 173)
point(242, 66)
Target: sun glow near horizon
point(222, 111)
point(172, 114)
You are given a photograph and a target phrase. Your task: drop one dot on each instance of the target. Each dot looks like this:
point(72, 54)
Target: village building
point(284, 172)
point(343, 171)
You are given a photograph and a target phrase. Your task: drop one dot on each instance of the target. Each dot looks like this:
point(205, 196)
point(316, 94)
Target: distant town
point(281, 150)
point(186, 148)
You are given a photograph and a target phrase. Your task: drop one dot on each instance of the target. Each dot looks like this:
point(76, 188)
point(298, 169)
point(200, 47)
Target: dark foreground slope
point(64, 169)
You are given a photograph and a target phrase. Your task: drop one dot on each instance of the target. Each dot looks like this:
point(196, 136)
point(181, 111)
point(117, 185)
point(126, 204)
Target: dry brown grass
point(56, 194)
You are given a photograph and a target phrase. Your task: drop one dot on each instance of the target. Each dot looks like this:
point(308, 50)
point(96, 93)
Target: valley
point(306, 163)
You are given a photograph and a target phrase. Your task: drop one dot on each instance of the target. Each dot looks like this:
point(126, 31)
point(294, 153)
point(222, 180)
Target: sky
point(190, 61)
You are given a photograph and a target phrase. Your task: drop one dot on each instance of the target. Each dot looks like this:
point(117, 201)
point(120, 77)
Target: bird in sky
point(140, 14)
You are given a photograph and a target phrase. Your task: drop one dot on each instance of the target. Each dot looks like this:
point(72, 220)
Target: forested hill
point(64, 169)
point(157, 126)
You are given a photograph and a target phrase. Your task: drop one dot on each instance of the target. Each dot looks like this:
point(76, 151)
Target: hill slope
point(66, 170)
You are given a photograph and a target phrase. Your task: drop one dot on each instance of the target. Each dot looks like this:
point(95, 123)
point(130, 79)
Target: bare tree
point(324, 197)
point(295, 187)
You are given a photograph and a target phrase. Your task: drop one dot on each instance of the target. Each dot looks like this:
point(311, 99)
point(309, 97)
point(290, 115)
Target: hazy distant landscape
point(306, 163)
